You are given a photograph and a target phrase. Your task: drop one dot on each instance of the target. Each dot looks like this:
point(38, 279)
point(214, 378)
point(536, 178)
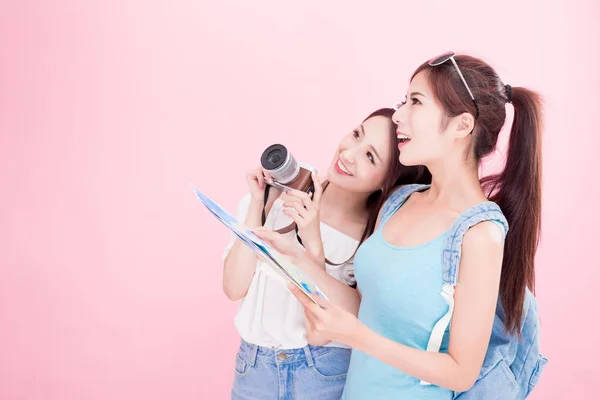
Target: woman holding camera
point(275, 360)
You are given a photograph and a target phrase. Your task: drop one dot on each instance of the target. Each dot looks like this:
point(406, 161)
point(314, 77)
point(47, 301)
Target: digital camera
point(286, 172)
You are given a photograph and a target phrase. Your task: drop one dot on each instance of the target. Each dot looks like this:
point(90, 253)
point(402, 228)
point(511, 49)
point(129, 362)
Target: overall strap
point(486, 211)
point(397, 199)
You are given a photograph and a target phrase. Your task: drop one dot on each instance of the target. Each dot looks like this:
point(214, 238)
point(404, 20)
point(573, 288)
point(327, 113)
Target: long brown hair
point(396, 174)
point(517, 189)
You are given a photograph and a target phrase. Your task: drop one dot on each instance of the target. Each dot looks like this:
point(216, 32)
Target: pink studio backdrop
point(110, 270)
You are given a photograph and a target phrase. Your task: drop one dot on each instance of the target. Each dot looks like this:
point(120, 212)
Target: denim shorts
point(308, 373)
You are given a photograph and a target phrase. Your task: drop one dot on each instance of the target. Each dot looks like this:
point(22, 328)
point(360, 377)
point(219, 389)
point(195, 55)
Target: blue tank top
point(401, 300)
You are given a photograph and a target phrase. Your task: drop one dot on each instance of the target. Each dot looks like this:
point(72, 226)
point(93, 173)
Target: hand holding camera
point(286, 172)
point(306, 214)
point(302, 196)
point(257, 180)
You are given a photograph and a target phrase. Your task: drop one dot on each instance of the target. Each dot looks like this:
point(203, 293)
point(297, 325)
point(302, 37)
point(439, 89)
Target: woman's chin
point(334, 177)
point(407, 160)
point(404, 160)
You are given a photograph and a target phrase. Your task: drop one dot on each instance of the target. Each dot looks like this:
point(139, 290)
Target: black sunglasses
point(439, 60)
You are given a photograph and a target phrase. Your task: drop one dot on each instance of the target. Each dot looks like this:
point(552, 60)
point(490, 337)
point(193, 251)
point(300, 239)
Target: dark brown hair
point(517, 189)
point(396, 174)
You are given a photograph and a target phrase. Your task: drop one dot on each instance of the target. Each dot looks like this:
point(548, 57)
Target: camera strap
point(263, 217)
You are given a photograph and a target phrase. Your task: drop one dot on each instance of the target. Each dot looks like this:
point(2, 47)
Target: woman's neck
point(455, 185)
point(341, 203)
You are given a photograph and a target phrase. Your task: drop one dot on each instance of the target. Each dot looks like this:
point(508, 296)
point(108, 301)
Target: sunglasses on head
point(439, 60)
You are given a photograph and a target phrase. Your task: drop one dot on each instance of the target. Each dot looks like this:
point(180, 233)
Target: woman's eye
point(415, 100)
point(370, 157)
point(356, 134)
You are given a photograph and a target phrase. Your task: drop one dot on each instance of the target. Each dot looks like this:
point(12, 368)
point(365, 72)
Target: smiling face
point(363, 156)
point(425, 132)
point(419, 122)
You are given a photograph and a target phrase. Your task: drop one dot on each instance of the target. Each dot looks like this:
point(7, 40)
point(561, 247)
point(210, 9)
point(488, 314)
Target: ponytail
point(517, 190)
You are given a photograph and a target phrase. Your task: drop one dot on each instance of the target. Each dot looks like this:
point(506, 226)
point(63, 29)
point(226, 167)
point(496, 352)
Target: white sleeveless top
point(270, 315)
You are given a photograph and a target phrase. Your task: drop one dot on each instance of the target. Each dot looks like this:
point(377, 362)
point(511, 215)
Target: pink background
point(110, 271)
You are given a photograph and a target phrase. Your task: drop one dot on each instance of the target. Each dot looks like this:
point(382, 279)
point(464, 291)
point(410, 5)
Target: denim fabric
point(512, 365)
point(308, 373)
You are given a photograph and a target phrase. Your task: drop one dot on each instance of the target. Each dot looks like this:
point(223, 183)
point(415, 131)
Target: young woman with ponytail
point(451, 118)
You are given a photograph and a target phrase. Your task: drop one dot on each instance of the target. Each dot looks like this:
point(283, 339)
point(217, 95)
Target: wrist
point(255, 207)
point(254, 216)
point(358, 335)
point(318, 258)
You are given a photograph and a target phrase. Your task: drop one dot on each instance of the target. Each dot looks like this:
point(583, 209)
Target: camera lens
point(274, 158)
point(279, 162)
